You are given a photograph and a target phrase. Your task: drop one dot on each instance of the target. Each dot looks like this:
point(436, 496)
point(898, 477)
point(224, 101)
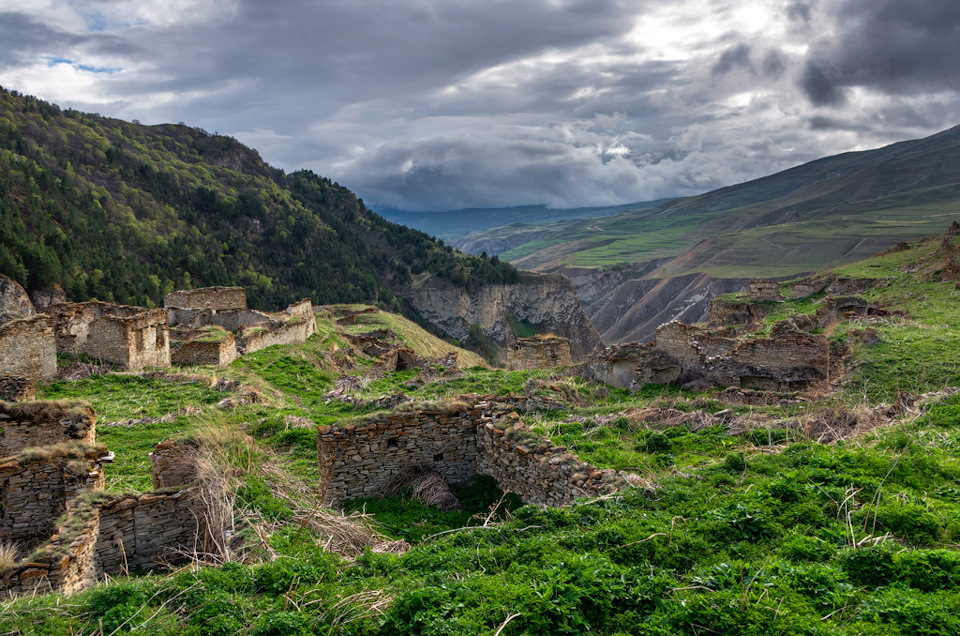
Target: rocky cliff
point(624, 306)
point(547, 302)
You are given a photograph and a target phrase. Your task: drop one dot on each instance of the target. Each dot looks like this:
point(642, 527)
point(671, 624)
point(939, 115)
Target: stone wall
point(216, 298)
point(112, 536)
point(206, 349)
point(631, 364)
point(764, 291)
point(539, 352)
point(294, 332)
point(725, 313)
point(229, 319)
point(466, 439)
point(368, 459)
point(36, 424)
point(35, 487)
point(148, 531)
point(131, 337)
point(14, 388)
point(533, 468)
point(28, 348)
point(173, 464)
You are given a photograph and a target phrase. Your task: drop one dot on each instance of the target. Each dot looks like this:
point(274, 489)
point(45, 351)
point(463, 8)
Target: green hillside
point(827, 513)
point(125, 213)
point(836, 209)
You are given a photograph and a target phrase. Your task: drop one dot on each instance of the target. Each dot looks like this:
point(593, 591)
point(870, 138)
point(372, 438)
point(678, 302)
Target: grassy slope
point(738, 536)
point(837, 209)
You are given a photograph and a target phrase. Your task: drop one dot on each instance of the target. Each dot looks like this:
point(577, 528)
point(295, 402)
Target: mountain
point(833, 210)
point(125, 213)
point(454, 224)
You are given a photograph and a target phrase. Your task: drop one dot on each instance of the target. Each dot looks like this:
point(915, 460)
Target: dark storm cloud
point(799, 11)
point(888, 45)
point(734, 57)
point(370, 49)
point(24, 36)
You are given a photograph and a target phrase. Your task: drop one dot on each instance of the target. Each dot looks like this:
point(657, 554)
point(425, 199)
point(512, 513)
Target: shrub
point(872, 566)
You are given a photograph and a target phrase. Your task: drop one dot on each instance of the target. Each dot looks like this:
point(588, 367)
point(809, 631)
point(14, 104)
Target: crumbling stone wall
point(28, 348)
point(289, 333)
point(532, 467)
point(37, 424)
point(35, 487)
point(112, 536)
point(466, 440)
point(764, 291)
point(147, 531)
point(725, 313)
point(367, 459)
point(131, 337)
point(217, 298)
point(229, 319)
point(173, 464)
point(203, 348)
point(632, 364)
point(17, 389)
point(65, 565)
point(539, 352)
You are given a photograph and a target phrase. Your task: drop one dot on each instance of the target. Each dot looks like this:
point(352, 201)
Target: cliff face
point(546, 301)
point(624, 306)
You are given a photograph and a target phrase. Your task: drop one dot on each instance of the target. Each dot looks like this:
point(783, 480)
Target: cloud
point(434, 104)
point(886, 45)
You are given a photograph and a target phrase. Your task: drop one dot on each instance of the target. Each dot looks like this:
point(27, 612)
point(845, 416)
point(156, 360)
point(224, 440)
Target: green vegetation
point(837, 209)
point(127, 213)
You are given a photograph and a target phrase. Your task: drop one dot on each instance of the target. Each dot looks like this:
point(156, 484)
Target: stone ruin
point(459, 441)
point(728, 352)
point(131, 337)
point(764, 291)
point(538, 352)
point(213, 325)
point(52, 503)
point(28, 348)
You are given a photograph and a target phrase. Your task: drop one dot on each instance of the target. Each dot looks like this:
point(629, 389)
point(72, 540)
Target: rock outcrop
point(14, 301)
point(548, 302)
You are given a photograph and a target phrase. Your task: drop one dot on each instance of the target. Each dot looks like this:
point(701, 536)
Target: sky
point(445, 104)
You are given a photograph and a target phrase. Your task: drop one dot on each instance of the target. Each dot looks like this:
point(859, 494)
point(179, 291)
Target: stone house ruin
point(728, 352)
point(192, 314)
point(50, 465)
point(457, 441)
point(28, 348)
point(538, 352)
point(131, 337)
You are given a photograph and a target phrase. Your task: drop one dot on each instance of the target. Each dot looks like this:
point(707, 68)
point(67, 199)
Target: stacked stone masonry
point(173, 464)
point(132, 337)
point(117, 536)
point(35, 488)
point(370, 458)
point(199, 347)
point(17, 389)
point(28, 348)
point(36, 424)
point(539, 352)
point(216, 298)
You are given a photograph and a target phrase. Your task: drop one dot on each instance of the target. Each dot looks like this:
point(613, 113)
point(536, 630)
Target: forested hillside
point(123, 212)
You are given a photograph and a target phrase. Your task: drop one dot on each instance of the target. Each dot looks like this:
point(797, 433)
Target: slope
point(122, 212)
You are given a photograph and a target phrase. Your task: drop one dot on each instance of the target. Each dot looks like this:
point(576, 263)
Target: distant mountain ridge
point(456, 224)
point(814, 216)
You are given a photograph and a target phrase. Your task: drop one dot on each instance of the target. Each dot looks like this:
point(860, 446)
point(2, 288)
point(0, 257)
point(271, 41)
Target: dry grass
point(9, 556)
point(345, 534)
point(429, 488)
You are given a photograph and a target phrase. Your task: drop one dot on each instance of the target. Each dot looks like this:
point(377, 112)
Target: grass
point(742, 523)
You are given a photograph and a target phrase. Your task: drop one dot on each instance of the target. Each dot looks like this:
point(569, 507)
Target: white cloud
point(439, 104)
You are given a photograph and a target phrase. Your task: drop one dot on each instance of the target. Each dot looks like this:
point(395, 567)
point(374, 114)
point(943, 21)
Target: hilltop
point(640, 268)
point(114, 210)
